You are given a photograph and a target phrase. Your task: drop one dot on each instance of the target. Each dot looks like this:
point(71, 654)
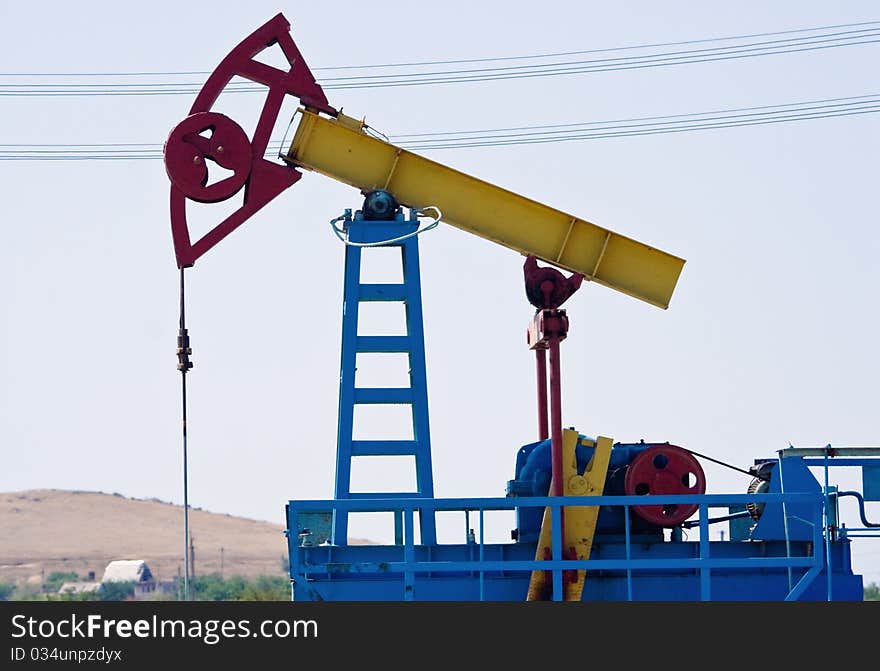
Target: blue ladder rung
point(382, 344)
point(389, 395)
point(383, 448)
point(372, 232)
point(384, 495)
point(382, 292)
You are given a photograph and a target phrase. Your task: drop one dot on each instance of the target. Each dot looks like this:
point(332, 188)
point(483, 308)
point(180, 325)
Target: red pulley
point(665, 469)
point(195, 140)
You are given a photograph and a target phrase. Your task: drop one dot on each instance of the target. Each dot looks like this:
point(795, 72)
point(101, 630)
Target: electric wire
point(603, 65)
point(838, 39)
point(821, 102)
point(727, 38)
point(499, 137)
point(825, 40)
point(601, 133)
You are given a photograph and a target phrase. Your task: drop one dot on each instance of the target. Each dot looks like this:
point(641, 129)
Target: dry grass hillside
point(45, 530)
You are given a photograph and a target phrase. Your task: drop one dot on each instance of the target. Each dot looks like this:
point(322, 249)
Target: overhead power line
point(518, 135)
point(540, 65)
point(724, 118)
point(465, 60)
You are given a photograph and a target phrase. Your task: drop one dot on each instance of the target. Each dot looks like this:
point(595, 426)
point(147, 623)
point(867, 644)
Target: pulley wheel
point(665, 469)
point(207, 136)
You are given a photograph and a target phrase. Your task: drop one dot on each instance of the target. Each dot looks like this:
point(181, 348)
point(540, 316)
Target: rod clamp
point(183, 351)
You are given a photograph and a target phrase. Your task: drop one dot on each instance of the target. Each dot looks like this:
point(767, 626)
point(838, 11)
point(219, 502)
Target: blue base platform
point(358, 575)
point(621, 567)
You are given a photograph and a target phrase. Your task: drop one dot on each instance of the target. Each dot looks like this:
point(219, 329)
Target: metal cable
point(726, 465)
point(183, 365)
point(342, 235)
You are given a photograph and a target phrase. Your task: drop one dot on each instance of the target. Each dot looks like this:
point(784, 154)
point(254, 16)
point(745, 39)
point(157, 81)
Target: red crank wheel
point(195, 140)
point(665, 469)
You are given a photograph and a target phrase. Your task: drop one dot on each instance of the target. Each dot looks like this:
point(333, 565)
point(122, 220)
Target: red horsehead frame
point(190, 145)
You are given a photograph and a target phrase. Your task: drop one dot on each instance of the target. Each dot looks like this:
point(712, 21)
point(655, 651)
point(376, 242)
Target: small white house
point(127, 570)
point(131, 570)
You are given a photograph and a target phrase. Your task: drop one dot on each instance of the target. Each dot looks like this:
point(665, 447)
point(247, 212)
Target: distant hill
point(46, 530)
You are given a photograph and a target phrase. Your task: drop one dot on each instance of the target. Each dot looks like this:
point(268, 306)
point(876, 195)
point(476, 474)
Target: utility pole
point(221, 562)
point(192, 557)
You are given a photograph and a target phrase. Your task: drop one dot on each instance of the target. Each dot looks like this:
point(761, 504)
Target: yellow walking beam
point(339, 148)
point(579, 522)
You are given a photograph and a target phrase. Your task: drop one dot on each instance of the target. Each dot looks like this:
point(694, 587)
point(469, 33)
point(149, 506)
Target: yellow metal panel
point(341, 151)
point(579, 521)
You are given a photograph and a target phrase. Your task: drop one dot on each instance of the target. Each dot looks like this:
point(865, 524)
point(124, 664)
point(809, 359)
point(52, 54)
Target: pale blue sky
point(770, 338)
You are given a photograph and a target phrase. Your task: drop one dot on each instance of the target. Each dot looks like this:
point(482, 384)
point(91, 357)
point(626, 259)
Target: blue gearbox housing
point(532, 478)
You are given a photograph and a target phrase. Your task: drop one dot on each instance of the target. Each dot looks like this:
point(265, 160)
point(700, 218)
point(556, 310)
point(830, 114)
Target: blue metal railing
point(410, 567)
point(828, 457)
